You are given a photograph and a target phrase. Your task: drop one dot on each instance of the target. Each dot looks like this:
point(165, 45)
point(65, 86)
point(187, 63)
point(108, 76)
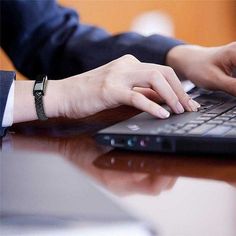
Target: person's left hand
point(208, 67)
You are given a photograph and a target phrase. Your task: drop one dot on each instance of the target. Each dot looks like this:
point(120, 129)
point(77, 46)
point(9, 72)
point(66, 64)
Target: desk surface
point(180, 194)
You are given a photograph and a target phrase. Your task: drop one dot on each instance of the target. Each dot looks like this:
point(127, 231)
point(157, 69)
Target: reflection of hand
point(82, 151)
point(211, 68)
point(127, 183)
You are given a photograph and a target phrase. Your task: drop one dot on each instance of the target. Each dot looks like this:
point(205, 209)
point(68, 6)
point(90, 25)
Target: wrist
point(24, 105)
point(181, 57)
point(53, 98)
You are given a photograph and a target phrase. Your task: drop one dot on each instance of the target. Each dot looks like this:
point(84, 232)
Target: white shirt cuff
point(8, 113)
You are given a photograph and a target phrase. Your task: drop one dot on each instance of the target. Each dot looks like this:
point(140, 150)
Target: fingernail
point(164, 113)
point(179, 108)
point(192, 105)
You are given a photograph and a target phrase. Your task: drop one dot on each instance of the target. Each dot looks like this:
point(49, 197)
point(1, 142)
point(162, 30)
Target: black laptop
point(210, 130)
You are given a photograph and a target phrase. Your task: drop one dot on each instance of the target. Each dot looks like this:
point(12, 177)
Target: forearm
point(24, 106)
point(179, 57)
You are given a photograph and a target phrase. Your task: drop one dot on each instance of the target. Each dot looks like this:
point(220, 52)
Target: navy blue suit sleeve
point(6, 79)
point(43, 37)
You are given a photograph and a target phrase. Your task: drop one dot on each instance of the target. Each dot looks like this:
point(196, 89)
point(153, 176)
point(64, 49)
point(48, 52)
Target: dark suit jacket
point(6, 79)
point(41, 37)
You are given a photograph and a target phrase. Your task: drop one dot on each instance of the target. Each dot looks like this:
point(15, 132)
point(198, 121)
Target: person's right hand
point(124, 81)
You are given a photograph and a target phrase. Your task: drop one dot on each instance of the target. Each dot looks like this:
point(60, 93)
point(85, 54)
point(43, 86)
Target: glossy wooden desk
point(182, 195)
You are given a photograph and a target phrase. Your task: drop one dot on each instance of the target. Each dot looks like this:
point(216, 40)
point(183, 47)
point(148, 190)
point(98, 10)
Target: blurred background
point(204, 22)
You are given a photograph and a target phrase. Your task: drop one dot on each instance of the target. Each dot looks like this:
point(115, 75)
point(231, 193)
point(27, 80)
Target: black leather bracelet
point(38, 92)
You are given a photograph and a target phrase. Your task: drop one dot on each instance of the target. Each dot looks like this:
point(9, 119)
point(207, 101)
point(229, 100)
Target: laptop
point(46, 195)
point(210, 130)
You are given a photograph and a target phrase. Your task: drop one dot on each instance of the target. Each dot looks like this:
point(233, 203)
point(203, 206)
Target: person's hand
point(210, 68)
point(124, 81)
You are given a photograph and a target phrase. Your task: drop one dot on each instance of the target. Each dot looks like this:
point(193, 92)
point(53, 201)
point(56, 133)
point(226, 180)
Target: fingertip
point(179, 108)
point(193, 105)
point(197, 104)
point(163, 113)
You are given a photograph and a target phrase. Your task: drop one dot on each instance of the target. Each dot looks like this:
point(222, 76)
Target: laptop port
point(143, 143)
point(131, 142)
point(118, 142)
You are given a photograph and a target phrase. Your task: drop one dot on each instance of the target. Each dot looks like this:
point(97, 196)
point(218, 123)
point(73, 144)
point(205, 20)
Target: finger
point(155, 80)
point(176, 85)
point(150, 94)
point(139, 101)
point(160, 85)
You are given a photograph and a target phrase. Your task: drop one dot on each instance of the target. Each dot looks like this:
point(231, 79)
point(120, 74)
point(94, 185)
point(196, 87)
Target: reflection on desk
point(180, 194)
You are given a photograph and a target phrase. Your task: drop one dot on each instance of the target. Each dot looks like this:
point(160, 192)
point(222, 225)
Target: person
point(102, 71)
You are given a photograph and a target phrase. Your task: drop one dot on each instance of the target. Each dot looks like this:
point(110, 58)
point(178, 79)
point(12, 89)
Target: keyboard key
point(177, 125)
point(199, 122)
point(193, 125)
point(216, 122)
point(231, 133)
point(222, 118)
point(218, 131)
point(208, 115)
point(228, 115)
point(168, 127)
point(179, 132)
point(188, 127)
point(223, 108)
point(202, 129)
point(230, 123)
point(203, 118)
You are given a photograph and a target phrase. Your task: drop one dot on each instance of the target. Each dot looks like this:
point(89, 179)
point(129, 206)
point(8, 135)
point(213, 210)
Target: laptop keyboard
point(215, 120)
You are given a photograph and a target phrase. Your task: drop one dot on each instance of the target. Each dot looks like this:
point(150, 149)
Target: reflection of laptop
point(210, 130)
point(45, 195)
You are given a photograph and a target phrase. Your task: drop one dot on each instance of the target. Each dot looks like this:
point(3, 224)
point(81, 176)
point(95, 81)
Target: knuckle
point(134, 98)
point(153, 75)
point(129, 58)
point(169, 72)
point(123, 61)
